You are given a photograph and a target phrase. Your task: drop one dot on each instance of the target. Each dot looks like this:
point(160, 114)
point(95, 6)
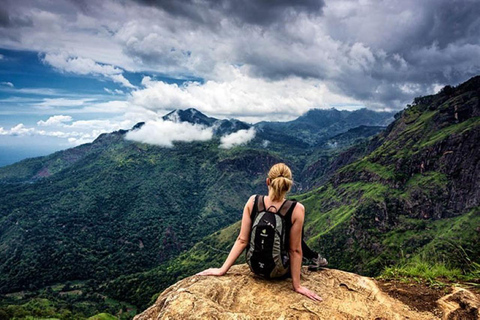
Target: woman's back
point(279, 182)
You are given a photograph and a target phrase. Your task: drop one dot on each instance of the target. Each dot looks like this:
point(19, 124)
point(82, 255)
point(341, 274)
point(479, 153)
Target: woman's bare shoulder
point(299, 209)
point(250, 201)
point(299, 206)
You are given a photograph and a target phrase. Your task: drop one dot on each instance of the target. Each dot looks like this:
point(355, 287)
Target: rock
point(241, 295)
point(461, 304)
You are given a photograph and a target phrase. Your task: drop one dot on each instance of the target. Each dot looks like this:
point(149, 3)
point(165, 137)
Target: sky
point(72, 69)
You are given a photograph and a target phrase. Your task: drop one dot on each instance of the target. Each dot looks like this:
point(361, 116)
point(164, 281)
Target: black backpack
point(267, 250)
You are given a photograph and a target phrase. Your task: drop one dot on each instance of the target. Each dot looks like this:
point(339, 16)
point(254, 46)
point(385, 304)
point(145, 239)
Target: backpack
point(267, 249)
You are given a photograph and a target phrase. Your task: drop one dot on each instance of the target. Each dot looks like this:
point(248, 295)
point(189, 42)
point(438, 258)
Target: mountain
point(411, 193)
point(125, 219)
point(83, 217)
point(193, 116)
point(189, 115)
point(317, 125)
point(309, 130)
point(415, 194)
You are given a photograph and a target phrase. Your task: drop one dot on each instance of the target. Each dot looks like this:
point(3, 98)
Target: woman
point(279, 182)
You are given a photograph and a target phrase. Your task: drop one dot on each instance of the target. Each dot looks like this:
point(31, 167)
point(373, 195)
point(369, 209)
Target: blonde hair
point(281, 181)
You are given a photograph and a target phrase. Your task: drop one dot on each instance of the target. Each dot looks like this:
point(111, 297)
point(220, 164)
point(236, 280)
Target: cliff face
point(240, 295)
point(414, 192)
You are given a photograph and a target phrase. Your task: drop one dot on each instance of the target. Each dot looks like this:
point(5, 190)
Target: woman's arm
point(240, 243)
point(296, 252)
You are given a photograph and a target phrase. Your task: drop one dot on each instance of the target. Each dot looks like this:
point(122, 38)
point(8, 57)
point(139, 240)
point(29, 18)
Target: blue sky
point(32, 91)
point(70, 70)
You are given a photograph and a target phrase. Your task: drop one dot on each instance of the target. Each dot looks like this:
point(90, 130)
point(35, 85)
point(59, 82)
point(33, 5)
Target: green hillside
point(129, 219)
point(413, 197)
point(114, 208)
point(417, 194)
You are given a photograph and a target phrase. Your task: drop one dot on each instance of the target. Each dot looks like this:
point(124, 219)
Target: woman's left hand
point(211, 272)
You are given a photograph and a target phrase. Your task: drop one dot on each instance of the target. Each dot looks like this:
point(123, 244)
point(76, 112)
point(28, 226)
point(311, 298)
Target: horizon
point(70, 71)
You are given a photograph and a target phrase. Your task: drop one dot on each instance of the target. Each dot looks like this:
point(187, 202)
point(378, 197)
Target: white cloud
point(237, 138)
point(242, 96)
point(35, 91)
point(78, 132)
point(114, 106)
point(7, 83)
point(50, 103)
point(113, 92)
point(55, 120)
point(85, 66)
point(164, 133)
point(18, 130)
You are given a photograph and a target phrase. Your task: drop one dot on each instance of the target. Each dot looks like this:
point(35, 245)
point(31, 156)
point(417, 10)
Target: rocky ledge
point(240, 295)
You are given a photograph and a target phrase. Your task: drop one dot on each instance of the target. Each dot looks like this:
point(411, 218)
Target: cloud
point(6, 83)
point(48, 103)
point(77, 132)
point(113, 92)
point(34, 91)
point(237, 138)
point(164, 133)
point(85, 66)
point(257, 12)
point(55, 120)
point(371, 52)
point(240, 95)
point(18, 130)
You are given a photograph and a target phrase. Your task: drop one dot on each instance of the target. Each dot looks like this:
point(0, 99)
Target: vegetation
point(63, 301)
point(420, 268)
point(127, 219)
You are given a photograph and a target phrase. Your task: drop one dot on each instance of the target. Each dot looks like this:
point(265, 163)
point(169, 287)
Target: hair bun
point(279, 187)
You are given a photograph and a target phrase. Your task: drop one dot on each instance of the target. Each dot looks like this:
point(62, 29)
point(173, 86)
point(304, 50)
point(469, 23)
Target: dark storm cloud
point(12, 21)
point(258, 12)
point(4, 18)
point(447, 22)
point(414, 46)
point(263, 12)
point(382, 53)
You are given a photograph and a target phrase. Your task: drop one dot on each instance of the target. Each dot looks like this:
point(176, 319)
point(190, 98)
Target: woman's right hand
point(308, 293)
point(212, 272)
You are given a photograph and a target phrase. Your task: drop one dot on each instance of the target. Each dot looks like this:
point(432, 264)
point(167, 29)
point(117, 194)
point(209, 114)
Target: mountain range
point(410, 193)
point(125, 219)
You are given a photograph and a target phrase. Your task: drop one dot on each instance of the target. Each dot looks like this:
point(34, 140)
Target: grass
point(429, 179)
point(420, 268)
point(102, 316)
point(328, 221)
point(449, 130)
point(369, 190)
point(384, 172)
point(435, 273)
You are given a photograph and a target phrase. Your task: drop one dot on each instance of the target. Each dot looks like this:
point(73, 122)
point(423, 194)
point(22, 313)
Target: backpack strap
point(288, 220)
point(254, 212)
point(287, 208)
point(261, 204)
